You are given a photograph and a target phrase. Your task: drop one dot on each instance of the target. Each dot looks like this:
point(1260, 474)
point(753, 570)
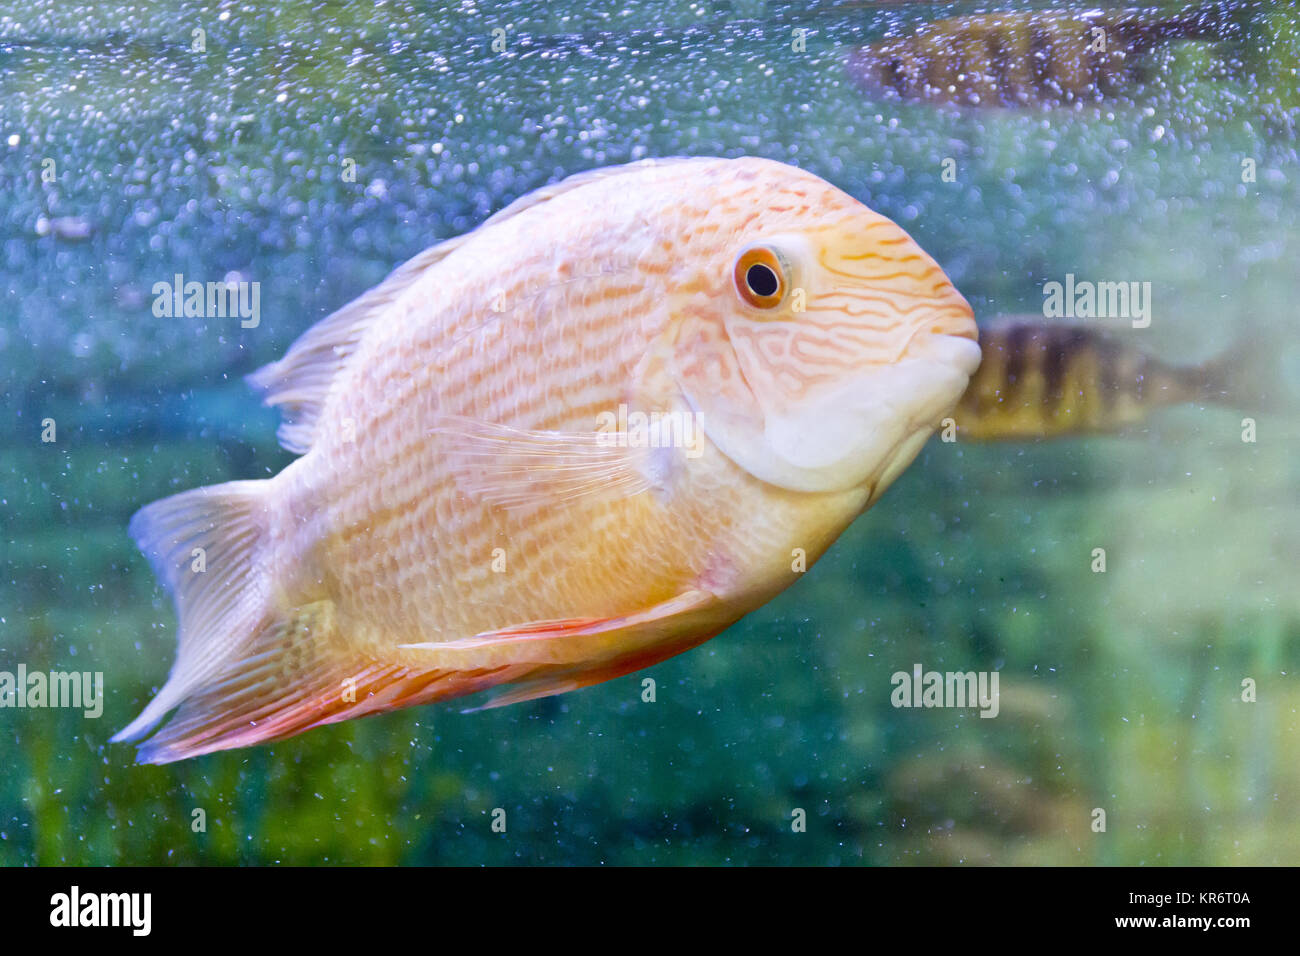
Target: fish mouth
point(948, 339)
point(866, 431)
point(954, 317)
point(963, 327)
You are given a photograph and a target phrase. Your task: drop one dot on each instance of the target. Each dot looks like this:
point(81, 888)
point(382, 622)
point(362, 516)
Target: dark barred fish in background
point(1043, 58)
point(1043, 379)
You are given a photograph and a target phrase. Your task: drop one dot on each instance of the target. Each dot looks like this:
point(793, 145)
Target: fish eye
point(762, 281)
point(760, 277)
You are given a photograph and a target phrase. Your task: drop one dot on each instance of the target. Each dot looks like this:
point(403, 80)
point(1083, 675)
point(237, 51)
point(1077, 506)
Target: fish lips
point(866, 432)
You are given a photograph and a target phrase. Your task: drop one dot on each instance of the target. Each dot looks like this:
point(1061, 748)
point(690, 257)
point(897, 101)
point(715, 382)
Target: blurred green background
point(1120, 691)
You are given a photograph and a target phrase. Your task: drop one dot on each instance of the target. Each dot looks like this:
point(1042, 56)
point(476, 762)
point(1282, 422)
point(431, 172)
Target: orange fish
point(584, 437)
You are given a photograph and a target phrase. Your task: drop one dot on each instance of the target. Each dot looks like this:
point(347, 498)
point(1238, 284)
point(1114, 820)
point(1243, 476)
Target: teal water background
point(1119, 691)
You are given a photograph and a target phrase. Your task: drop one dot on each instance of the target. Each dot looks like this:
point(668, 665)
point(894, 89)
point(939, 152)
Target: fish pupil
point(762, 281)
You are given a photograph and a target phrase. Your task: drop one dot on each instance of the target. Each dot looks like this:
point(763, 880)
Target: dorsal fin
point(302, 380)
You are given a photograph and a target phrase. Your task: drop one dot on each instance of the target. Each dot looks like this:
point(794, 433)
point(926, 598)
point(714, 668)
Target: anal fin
point(563, 655)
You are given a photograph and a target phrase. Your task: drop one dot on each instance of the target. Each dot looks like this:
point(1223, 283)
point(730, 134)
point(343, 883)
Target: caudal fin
point(204, 546)
point(248, 668)
point(1251, 376)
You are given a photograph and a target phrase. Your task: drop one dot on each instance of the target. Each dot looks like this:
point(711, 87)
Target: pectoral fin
point(514, 467)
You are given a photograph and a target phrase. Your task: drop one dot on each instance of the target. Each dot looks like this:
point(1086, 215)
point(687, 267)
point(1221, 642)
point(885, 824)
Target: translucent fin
point(204, 547)
point(515, 468)
point(301, 381)
point(1250, 376)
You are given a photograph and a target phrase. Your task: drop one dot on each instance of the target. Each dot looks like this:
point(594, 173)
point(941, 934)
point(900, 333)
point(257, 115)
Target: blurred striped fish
point(1026, 58)
point(1044, 379)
